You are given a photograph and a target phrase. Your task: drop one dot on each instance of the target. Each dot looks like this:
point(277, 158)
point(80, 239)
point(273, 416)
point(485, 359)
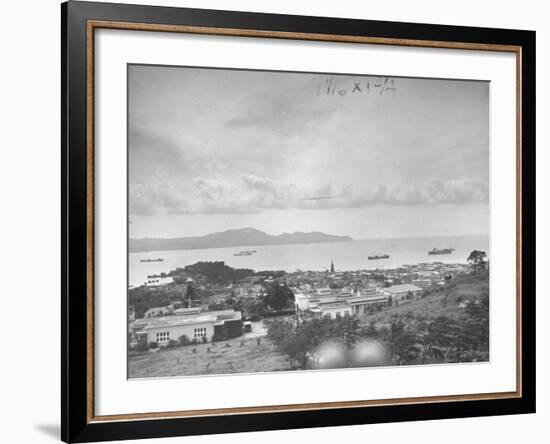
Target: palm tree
point(477, 260)
point(442, 334)
point(403, 343)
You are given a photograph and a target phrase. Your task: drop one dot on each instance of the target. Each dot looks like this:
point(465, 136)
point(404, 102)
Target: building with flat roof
point(157, 311)
point(403, 292)
point(187, 311)
point(194, 325)
point(333, 303)
point(422, 283)
point(158, 281)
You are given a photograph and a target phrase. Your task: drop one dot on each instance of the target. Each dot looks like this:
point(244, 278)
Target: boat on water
point(245, 253)
point(158, 259)
point(379, 256)
point(441, 251)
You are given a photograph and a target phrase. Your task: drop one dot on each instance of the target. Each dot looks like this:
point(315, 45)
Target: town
point(209, 317)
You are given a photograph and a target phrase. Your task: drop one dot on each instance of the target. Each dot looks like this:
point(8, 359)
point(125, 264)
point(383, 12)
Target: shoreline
point(353, 240)
point(348, 256)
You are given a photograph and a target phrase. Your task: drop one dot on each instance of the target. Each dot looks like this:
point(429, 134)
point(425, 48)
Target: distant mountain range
point(243, 237)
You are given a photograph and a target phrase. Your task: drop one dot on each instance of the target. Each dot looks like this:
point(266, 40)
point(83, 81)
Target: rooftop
point(187, 311)
point(166, 307)
point(199, 318)
point(337, 304)
point(366, 298)
point(402, 288)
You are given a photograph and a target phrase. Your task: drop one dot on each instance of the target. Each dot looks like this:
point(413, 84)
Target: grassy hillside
point(448, 300)
point(206, 359)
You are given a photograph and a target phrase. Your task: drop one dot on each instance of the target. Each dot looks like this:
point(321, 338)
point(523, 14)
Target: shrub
point(141, 346)
point(204, 340)
point(184, 340)
point(153, 345)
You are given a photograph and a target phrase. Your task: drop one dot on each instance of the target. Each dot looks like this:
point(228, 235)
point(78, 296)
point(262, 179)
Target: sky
point(364, 156)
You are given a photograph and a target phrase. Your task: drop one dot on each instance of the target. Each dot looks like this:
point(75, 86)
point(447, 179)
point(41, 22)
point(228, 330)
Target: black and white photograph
point(282, 221)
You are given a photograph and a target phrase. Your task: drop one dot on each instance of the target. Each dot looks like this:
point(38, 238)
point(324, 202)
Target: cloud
point(253, 194)
point(459, 191)
point(284, 109)
point(152, 153)
point(156, 198)
point(289, 120)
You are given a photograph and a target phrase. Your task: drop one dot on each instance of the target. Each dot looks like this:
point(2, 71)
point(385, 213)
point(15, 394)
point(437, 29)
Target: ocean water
point(352, 255)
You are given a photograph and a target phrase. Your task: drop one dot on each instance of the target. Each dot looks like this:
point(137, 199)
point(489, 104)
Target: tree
point(278, 297)
point(437, 337)
point(282, 333)
point(307, 338)
point(251, 306)
point(189, 294)
point(408, 348)
point(476, 259)
point(431, 351)
point(478, 322)
point(403, 343)
point(467, 343)
point(301, 342)
point(184, 340)
point(214, 272)
point(141, 346)
point(345, 330)
point(443, 331)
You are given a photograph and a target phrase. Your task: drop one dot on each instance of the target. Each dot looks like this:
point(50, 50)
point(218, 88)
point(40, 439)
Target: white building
point(191, 324)
point(331, 303)
point(403, 292)
point(422, 283)
point(301, 300)
point(335, 309)
point(360, 303)
point(157, 311)
point(158, 281)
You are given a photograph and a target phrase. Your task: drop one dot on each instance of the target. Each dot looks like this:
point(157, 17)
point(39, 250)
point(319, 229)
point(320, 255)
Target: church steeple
point(331, 266)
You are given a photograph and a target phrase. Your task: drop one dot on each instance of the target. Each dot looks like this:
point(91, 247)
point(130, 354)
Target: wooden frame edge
point(285, 408)
point(519, 219)
point(337, 38)
point(90, 208)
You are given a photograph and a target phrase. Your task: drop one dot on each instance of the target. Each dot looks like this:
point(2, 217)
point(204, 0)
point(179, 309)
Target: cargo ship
point(379, 256)
point(158, 259)
point(441, 251)
point(245, 253)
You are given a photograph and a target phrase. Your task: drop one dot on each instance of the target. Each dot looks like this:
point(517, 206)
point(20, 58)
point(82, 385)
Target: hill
point(449, 300)
point(243, 237)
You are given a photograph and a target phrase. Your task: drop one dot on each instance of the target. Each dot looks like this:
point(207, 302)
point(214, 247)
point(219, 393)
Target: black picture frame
point(76, 327)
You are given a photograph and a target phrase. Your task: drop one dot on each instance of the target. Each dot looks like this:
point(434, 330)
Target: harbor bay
point(346, 256)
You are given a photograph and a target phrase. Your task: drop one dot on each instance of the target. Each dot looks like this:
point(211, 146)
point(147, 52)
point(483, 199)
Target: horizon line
point(314, 231)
